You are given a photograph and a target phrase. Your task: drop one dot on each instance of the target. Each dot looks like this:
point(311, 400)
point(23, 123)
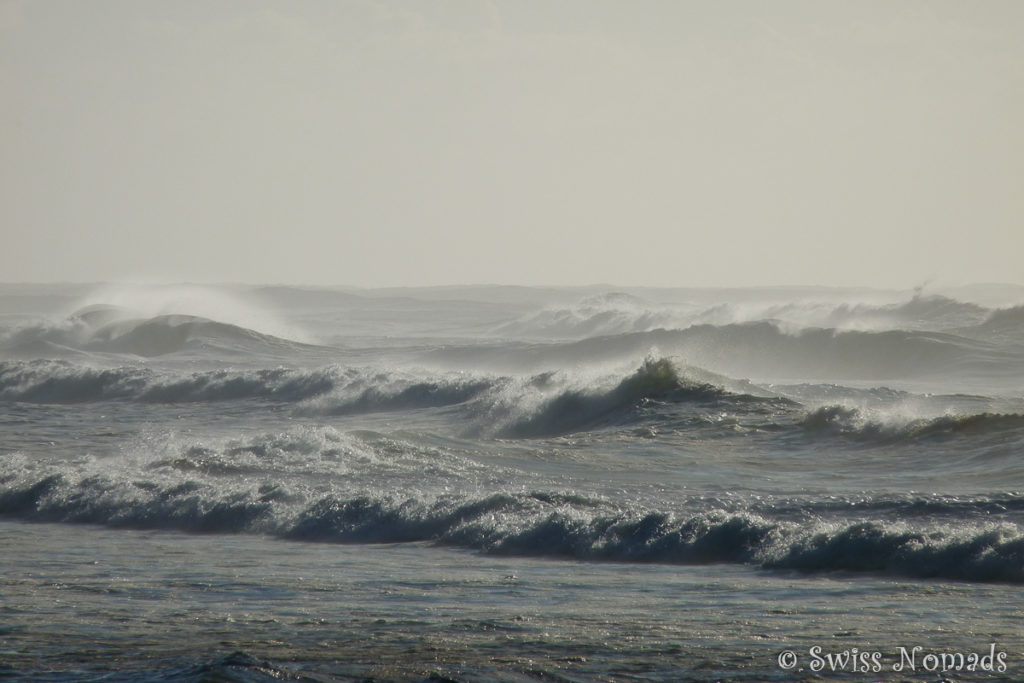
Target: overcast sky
point(561, 142)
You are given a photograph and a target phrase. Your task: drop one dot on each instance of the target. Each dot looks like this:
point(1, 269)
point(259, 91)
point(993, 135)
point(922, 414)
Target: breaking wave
point(922, 312)
point(1003, 325)
point(536, 523)
point(766, 350)
point(860, 425)
point(619, 313)
point(113, 330)
point(604, 314)
point(545, 404)
point(545, 407)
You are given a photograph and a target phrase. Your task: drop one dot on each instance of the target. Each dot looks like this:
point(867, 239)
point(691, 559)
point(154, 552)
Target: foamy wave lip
point(220, 304)
point(604, 314)
point(767, 350)
point(616, 313)
point(1002, 325)
point(148, 337)
point(150, 322)
point(554, 404)
point(873, 426)
point(538, 523)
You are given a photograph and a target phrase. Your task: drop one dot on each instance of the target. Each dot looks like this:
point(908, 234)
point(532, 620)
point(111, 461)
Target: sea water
point(475, 484)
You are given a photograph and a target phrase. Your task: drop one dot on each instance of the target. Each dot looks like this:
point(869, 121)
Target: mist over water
point(807, 435)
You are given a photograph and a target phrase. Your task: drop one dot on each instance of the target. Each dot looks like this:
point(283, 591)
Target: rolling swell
point(536, 523)
point(1004, 324)
point(323, 391)
point(619, 313)
point(47, 381)
point(605, 314)
point(104, 330)
point(856, 424)
point(765, 350)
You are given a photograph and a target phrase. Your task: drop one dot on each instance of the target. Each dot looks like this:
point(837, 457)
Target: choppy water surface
point(510, 484)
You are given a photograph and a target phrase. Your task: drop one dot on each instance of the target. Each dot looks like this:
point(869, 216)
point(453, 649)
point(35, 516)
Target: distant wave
point(926, 313)
point(536, 523)
point(604, 314)
point(618, 313)
point(52, 381)
point(105, 329)
point(922, 312)
point(765, 349)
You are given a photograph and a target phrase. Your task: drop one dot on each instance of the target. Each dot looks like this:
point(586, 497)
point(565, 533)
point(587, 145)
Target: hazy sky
point(561, 142)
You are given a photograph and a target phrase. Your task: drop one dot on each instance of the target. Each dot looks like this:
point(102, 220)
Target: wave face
point(182, 493)
point(854, 423)
point(112, 330)
point(551, 405)
point(797, 430)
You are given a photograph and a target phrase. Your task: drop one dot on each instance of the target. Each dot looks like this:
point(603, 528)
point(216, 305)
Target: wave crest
point(536, 413)
point(534, 524)
point(858, 424)
point(113, 330)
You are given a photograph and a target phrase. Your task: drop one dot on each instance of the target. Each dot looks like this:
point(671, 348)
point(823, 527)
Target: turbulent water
point(244, 483)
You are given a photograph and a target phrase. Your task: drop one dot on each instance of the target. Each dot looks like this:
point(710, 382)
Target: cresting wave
point(768, 350)
point(619, 313)
point(857, 424)
point(108, 329)
point(536, 523)
point(549, 404)
point(545, 407)
point(60, 381)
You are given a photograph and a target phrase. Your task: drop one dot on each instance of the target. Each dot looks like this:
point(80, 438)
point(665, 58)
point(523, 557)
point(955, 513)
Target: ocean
point(243, 483)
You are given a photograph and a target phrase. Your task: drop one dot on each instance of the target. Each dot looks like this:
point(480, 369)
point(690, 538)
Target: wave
point(537, 523)
point(905, 507)
point(933, 313)
point(922, 312)
point(1006, 318)
point(1003, 325)
point(764, 350)
point(546, 404)
point(57, 381)
point(544, 407)
point(603, 314)
point(324, 391)
point(396, 391)
point(109, 329)
point(858, 424)
point(619, 313)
